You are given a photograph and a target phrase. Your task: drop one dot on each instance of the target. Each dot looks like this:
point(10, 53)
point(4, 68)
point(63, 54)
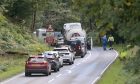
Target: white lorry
point(74, 32)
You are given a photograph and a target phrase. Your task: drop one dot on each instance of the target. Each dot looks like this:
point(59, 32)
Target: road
point(85, 70)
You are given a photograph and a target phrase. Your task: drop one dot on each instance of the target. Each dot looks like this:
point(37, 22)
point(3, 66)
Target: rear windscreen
point(36, 59)
point(64, 53)
point(60, 50)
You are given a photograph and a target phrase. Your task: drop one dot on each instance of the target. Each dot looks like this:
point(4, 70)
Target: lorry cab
point(46, 35)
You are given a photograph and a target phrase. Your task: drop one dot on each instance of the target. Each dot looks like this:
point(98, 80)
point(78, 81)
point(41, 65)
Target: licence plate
point(35, 64)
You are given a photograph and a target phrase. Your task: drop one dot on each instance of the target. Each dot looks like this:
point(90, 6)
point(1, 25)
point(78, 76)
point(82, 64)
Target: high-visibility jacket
point(111, 38)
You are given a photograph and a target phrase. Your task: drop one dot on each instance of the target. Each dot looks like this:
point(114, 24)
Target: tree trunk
point(33, 21)
point(90, 23)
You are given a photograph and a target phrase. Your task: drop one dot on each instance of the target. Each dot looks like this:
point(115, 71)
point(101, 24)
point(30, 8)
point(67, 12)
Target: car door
point(60, 58)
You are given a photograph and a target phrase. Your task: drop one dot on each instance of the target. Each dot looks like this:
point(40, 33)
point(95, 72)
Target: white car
point(68, 57)
point(57, 54)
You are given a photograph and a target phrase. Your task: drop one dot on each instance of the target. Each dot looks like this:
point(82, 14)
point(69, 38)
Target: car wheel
point(55, 70)
point(27, 74)
point(62, 65)
point(74, 58)
point(70, 63)
point(47, 73)
point(82, 56)
point(58, 69)
point(50, 73)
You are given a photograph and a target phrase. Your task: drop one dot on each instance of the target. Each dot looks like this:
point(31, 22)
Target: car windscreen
point(36, 59)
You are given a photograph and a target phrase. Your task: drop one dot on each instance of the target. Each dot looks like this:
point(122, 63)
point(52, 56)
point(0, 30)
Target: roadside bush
point(3, 68)
point(37, 48)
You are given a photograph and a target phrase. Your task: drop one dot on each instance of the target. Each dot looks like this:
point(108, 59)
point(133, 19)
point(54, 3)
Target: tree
point(20, 10)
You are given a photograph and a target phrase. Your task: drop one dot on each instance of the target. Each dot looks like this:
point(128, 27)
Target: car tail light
point(45, 62)
point(79, 47)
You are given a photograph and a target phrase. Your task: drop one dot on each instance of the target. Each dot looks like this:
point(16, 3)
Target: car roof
point(51, 52)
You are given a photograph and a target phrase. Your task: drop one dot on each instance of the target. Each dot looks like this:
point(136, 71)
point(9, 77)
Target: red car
point(37, 64)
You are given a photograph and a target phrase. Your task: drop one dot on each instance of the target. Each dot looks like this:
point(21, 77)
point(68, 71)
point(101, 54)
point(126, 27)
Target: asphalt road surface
point(85, 70)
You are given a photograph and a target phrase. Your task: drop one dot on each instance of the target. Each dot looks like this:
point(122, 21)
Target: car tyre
point(58, 69)
point(47, 73)
point(62, 65)
point(82, 56)
point(55, 70)
point(50, 73)
point(70, 63)
point(27, 74)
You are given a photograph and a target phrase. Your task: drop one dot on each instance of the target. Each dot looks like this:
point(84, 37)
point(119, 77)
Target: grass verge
point(115, 73)
point(11, 65)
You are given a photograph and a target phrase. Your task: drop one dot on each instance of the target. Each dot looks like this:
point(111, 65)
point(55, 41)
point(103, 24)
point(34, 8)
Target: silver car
point(68, 57)
point(58, 57)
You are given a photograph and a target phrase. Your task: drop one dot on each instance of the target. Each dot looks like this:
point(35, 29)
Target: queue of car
point(49, 61)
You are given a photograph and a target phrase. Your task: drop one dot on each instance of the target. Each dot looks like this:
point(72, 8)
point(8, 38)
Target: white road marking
point(94, 81)
point(90, 53)
point(50, 80)
point(73, 67)
point(58, 75)
point(69, 71)
point(78, 64)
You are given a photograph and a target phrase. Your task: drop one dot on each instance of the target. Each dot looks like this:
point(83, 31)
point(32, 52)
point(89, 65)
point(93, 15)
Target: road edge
point(9, 79)
point(95, 81)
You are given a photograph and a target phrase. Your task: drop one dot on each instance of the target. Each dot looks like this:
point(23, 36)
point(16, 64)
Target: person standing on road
point(104, 42)
point(110, 40)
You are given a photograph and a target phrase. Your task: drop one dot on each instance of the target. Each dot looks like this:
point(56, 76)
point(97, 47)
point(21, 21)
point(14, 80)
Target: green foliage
point(37, 48)
point(20, 9)
point(134, 80)
point(59, 12)
point(11, 65)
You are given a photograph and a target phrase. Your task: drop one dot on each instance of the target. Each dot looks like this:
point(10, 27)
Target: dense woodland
point(121, 18)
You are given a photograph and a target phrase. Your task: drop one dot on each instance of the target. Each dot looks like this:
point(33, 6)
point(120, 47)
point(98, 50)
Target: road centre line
point(73, 67)
point(50, 80)
point(58, 75)
point(94, 81)
point(78, 64)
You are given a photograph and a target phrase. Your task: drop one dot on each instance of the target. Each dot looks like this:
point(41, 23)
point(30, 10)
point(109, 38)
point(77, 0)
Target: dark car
point(77, 47)
point(55, 64)
point(37, 64)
